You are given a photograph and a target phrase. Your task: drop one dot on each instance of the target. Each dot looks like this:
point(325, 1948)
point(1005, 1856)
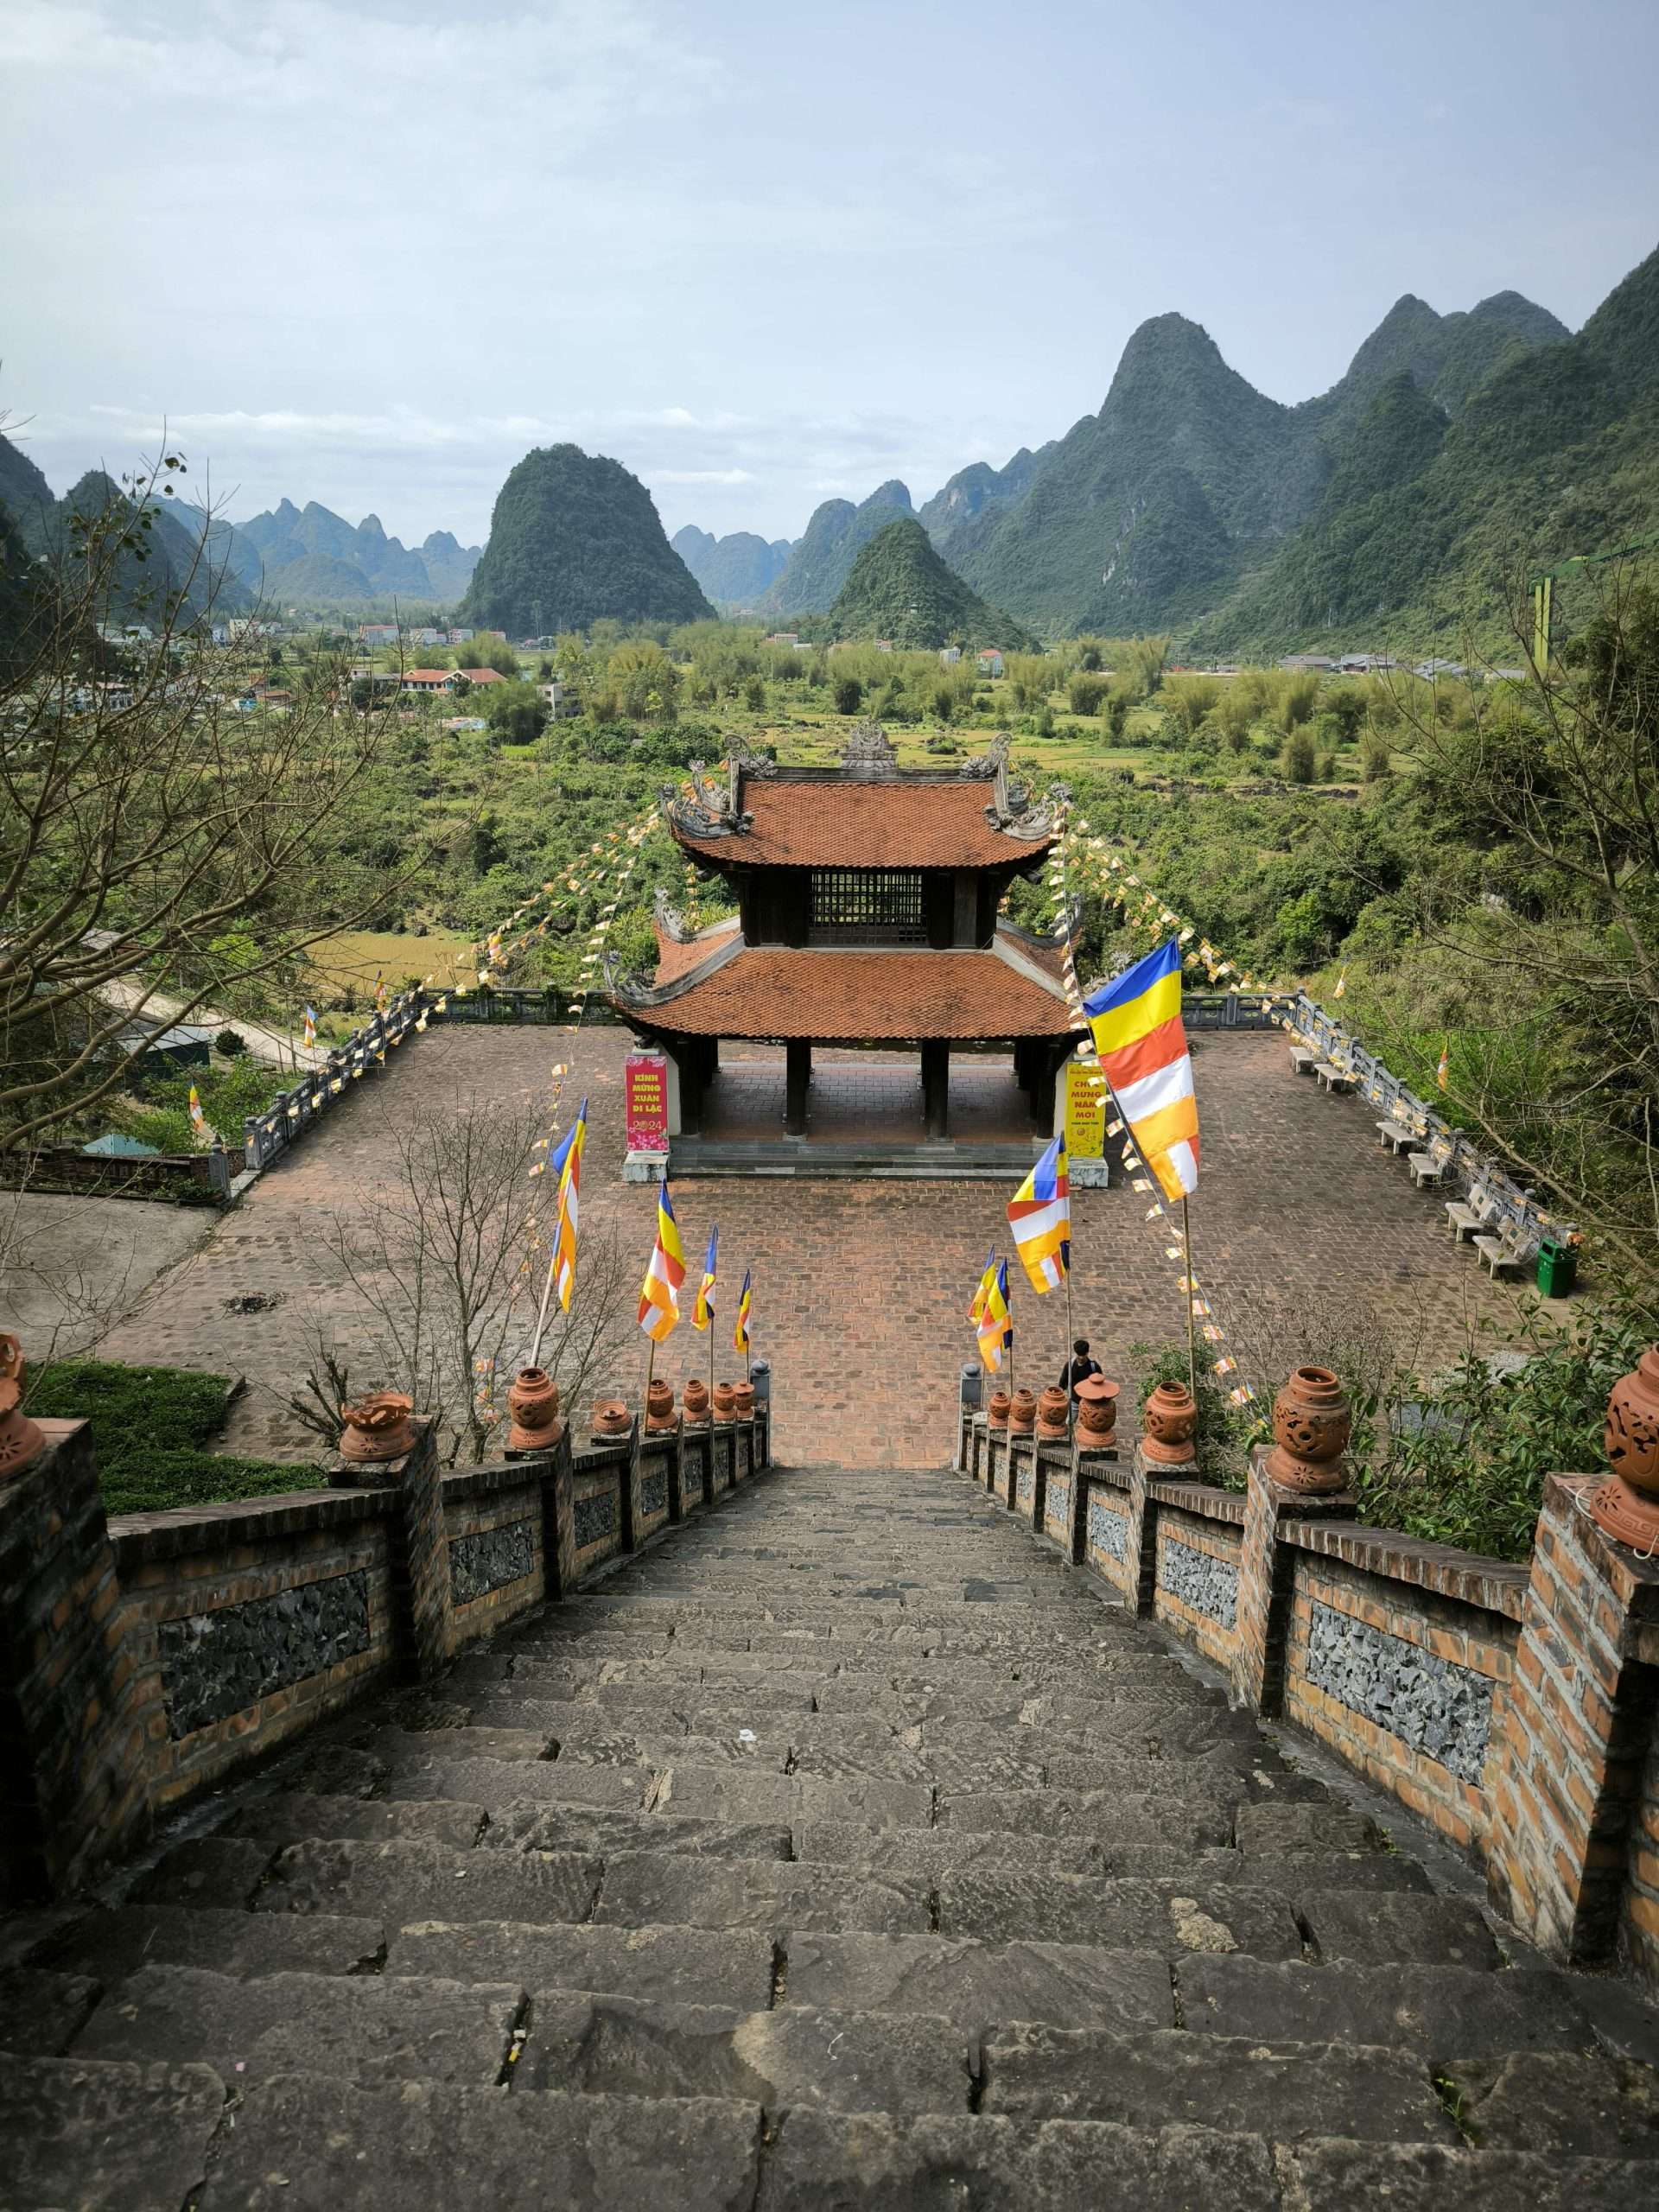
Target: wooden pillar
point(936, 1086)
point(798, 1074)
point(689, 1060)
point(1042, 1088)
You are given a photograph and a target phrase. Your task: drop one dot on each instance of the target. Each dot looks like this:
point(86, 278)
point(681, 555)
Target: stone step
point(1445, 2012)
point(528, 1825)
point(1603, 2106)
point(415, 1880)
point(305, 1816)
point(113, 1944)
point(1068, 1985)
point(1032, 2072)
point(504, 1782)
point(105, 2136)
point(303, 2142)
point(646, 1888)
point(1103, 1813)
point(799, 2055)
point(42, 2011)
point(870, 2160)
point(360, 2028)
point(1172, 1917)
point(1146, 1852)
point(725, 1966)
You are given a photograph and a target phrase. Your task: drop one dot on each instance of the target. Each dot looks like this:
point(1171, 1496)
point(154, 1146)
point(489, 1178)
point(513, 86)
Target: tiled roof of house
point(482, 675)
point(844, 824)
point(851, 997)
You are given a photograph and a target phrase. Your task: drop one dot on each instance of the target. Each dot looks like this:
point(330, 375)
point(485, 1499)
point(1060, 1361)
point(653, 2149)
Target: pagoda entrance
point(810, 1108)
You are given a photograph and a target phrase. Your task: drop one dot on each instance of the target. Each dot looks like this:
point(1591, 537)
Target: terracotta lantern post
point(1312, 1423)
point(1169, 1424)
point(1627, 1504)
point(533, 1404)
point(20, 1440)
point(377, 1427)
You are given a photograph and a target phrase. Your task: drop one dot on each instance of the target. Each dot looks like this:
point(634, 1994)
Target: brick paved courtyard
point(861, 1287)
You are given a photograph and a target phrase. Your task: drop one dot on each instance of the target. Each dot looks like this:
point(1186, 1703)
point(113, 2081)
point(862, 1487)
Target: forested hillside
point(576, 539)
point(735, 570)
point(901, 589)
point(821, 560)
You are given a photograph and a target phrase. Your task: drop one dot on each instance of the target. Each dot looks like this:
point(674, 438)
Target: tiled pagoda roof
point(840, 995)
point(830, 824)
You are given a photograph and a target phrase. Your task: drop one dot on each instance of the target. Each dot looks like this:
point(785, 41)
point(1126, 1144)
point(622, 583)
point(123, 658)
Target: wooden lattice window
point(867, 905)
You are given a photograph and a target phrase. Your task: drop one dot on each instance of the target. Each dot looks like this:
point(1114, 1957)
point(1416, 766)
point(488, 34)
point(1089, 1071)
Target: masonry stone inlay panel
point(1209, 1585)
point(1432, 1704)
point(595, 1516)
point(1109, 1529)
point(217, 1663)
point(490, 1560)
point(1056, 1501)
point(654, 1494)
point(1023, 1485)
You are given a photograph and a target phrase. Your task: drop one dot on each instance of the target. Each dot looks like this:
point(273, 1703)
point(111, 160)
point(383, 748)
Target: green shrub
point(150, 1429)
point(230, 1044)
point(1224, 1429)
point(1297, 761)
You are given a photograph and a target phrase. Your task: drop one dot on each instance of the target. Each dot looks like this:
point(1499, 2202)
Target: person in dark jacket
point(1078, 1367)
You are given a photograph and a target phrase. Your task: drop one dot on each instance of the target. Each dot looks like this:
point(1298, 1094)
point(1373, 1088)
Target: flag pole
point(1069, 1334)
point(711, 1362)
point(1192, 1293)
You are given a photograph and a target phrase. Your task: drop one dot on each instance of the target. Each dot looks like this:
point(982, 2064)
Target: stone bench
point(1303, 1061)
point(1330, 1078)
point(1463, 1221)
point(1393, 1137)
point(1425, 1168)
point(1500, 1258)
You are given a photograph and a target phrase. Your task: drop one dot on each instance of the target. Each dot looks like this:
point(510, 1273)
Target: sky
point(371, 253)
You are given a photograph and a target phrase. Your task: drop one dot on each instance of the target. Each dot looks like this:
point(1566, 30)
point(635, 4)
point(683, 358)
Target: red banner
point(645, 1094)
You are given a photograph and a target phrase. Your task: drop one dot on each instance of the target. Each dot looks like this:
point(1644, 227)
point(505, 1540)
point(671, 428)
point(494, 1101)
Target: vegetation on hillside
point(898, 588)
point(574, 539)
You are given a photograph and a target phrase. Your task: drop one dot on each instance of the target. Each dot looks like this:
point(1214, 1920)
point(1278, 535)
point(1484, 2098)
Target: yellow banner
point(1085, 1112)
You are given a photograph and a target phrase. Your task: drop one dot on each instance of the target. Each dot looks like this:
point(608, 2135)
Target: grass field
point(350, 961)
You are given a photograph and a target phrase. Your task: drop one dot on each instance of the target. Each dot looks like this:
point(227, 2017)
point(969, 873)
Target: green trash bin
point(1558, 1268)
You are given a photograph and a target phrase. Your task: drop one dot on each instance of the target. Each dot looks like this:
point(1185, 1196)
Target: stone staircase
point(845, 1851)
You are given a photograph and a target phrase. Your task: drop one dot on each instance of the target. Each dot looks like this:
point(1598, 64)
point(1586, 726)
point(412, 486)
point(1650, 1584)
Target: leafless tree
point(445, 1255)
point(155, 836)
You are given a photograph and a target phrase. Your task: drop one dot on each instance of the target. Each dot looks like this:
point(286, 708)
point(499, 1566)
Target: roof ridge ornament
point(993, 762)
point(669, 920)
point(868, 752)
point(701, 807)
point(1013, 810)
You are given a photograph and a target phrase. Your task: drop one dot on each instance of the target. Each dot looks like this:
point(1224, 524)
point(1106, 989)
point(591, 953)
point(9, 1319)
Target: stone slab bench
point(1333, 1078)
point(1463, 1221)
point(1393, 1137)
point(1302, 1060)
point(1425, 1168)
point(1501, 1258)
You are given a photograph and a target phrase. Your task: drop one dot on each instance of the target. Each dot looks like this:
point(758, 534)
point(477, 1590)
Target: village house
point(949, 655)
point(562, 704)
point(989, 661)
point(377, 633)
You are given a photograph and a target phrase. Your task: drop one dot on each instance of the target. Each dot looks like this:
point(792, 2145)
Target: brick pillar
point(677, 1476)
point(936, 1088)
point(797, 1075)
point(1141, 1540)
point(81, 1691)
point(629, 1477)
point(1082, 1461)
point(1266, 1574)
point(420, 1548)
point(1570, 1739)
point(558, 1518)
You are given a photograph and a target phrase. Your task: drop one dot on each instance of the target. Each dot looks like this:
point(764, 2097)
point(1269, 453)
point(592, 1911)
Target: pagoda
point(867, 900)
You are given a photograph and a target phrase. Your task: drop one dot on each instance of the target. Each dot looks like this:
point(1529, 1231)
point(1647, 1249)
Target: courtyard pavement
point(862, 1287)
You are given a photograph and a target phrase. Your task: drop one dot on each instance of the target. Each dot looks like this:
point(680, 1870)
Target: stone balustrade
point(1514, 1707)
point(156, 1654)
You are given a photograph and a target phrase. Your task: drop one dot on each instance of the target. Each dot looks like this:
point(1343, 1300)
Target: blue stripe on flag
point(1147, 971)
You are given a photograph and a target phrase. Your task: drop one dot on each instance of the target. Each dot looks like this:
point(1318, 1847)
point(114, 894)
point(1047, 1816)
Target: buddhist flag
point(196, 1115)
point(1040, 1214)
point(659, 1295)
point(380, 987)
point(567, 1163)
point(1342, 985)
point(702, 1313)
point(987, 1277)
point(745, 1303)
point(1443, 1073)
point(1136, 1023)
point(310, 1028)
point(995, 1323)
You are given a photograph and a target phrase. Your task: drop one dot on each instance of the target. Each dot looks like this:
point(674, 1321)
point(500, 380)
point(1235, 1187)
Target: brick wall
point(1639, 1936)
point(494, 1522)
point(146, 1659)
point(1195, 1587)
point(1402, 1679)
point(265, 1618)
